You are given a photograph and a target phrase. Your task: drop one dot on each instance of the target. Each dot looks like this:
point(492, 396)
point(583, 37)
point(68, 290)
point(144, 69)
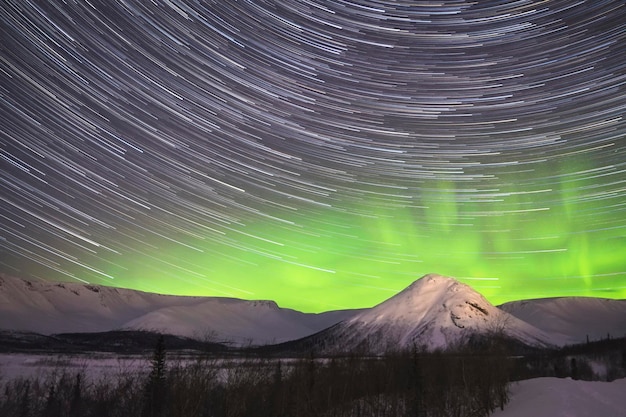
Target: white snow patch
point(554, 397)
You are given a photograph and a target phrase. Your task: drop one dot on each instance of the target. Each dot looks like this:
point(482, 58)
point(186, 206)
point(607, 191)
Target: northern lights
point(320, 154)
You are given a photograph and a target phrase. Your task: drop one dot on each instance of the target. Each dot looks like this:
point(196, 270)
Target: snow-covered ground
point(556, 397)
point(539, 397)
point(103, 365)
point(22, 365)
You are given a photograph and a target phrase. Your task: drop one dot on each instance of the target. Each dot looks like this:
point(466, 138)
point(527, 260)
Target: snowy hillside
point(551, 397)
point(433, 312)
point(573, 318)
point(48, 308)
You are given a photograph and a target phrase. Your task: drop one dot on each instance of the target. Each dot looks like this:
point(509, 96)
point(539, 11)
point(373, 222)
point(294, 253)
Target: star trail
point(323, 154)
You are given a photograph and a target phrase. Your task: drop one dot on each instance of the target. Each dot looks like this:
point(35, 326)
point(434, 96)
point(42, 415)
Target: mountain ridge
point(56, 307)
point(578, 318)
point(434, 311)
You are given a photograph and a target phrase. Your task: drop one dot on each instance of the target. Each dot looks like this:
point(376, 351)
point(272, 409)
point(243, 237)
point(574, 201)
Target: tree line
point(456, 383)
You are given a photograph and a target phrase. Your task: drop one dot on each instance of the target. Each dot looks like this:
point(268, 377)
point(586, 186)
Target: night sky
point(323, 154)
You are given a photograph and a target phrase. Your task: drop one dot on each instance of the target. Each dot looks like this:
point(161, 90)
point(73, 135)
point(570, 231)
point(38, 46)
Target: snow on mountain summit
point(426, 298)
point(433, 312)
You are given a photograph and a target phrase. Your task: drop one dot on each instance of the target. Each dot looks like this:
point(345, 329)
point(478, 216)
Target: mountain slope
point(573, 318)
point(49, 308)
point(433, 312)
point(239, 321)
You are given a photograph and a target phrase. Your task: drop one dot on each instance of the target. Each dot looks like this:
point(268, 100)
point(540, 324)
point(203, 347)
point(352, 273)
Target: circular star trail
point(321, 154)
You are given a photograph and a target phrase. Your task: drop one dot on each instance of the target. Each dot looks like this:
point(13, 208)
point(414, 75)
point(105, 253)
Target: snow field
point(565, 397)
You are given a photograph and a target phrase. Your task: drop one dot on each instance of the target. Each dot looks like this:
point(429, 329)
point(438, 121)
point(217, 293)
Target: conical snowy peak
point(426, 299)
point(432, 280)
point(434, 312)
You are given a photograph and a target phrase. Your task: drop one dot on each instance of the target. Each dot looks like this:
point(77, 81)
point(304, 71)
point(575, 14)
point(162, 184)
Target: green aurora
point(531, 241)
point(320, 154)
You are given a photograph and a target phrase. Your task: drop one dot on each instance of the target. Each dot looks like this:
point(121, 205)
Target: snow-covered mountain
point(433, 312)
point(573, 319)
point(49, 308)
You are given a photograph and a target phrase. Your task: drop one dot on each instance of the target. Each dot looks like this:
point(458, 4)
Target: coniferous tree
point(25, 401)
point(155, 390)
point(416, 393)
point(574, 368)
point(275, 396)
point(75, 404)
point(52, 408)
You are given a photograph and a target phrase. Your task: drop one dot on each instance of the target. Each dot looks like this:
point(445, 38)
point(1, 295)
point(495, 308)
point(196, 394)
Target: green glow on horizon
point(530, 244)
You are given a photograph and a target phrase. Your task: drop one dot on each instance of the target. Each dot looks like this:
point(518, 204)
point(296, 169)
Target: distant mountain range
point(54, 307)
point(433, 312)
